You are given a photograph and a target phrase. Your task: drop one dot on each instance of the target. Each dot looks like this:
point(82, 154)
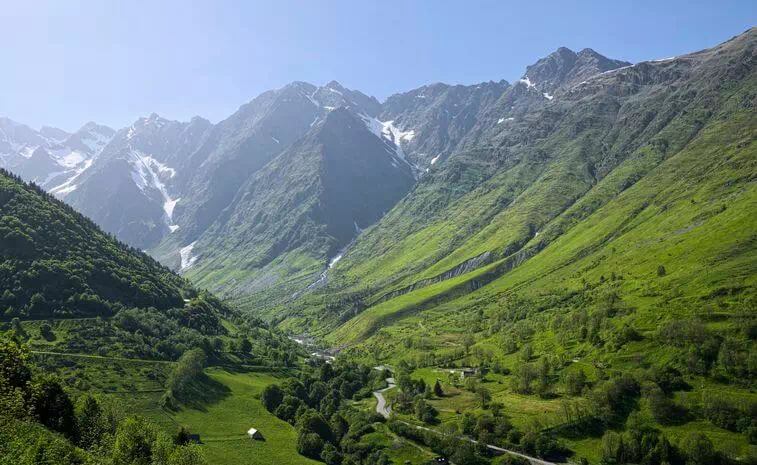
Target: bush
point(699, 449)
point(575, 382)
point(546, 446)
point(514, 437)
point(46, 332)
point(722, 413)
point(425, 412)
point(272, 397)
point(331, 455)
point(188, 368)
point(310, 445)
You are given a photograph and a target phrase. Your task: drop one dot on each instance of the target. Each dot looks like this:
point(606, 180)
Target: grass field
point(399, 450)
point(222, 425)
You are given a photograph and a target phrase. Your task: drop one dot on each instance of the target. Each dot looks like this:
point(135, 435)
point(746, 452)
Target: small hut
point(254, 434)
point(468, 372)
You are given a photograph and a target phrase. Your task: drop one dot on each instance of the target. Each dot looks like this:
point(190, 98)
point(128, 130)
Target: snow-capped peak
point(525, 80)
point(55, 157)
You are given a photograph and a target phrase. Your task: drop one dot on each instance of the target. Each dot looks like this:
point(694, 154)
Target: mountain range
point(309, 187)
point(570, 260)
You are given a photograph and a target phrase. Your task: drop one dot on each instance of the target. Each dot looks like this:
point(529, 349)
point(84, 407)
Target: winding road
point(382, 408)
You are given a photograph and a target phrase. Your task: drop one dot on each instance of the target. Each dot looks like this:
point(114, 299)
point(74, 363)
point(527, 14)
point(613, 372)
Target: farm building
point(468, 372)
point(254, 434)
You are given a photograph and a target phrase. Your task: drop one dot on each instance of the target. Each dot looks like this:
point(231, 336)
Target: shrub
point(272, 397)
point(575, 382)
point(699, 449)
point(310, 445)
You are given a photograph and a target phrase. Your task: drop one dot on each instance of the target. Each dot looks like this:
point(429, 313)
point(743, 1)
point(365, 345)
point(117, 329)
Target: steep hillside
point(100, 295)
point(51, 252)
point(595, 261)
point(538, 173)
point(303, 208)
point(134, 186)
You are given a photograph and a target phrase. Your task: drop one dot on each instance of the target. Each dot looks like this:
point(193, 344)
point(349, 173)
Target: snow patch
point(433, 160)
point(547, 96)
point(612, 70)
point(71, 160)
point(64, 189)
point(96, 142)
point(525, 80)
point(385, 130)
point(313, 100)
point(187, 260)
point(146, 173)
point(169, 205)
point(27, 151)
point(334, 261)
point(69, 186)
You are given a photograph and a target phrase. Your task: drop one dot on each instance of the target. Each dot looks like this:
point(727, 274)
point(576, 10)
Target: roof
point(252, 431)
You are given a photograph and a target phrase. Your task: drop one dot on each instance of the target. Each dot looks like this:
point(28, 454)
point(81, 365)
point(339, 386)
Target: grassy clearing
point(225, 405)
point(399, 450)
point(223, 424)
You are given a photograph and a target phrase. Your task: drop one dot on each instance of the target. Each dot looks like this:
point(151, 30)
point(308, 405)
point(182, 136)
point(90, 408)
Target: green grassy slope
point(223, 425)
point(517, 194)
point(699, 228)
point(604, 238)
point(604, 269)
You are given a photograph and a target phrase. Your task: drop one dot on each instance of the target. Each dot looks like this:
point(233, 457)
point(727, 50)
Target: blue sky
point(65, 63)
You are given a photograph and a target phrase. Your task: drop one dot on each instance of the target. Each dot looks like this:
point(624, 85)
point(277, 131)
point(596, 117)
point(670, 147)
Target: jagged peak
point(591, 52)
point(91, 126)
point(299, 85)
point(334, 85)
point(199, 119)
point(563, 51)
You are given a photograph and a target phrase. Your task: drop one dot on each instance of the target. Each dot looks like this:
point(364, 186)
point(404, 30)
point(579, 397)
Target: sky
point(111, 61)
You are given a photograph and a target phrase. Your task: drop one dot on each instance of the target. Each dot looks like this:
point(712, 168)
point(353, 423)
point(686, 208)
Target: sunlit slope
point(692, 214)
point(499, 205)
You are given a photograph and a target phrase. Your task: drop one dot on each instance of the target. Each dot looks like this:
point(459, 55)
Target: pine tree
point(438, 392)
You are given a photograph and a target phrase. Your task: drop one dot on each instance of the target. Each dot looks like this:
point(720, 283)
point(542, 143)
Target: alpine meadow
point(561, 269)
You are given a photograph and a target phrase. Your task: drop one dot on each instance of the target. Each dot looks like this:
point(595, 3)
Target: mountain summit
point(564, 68)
